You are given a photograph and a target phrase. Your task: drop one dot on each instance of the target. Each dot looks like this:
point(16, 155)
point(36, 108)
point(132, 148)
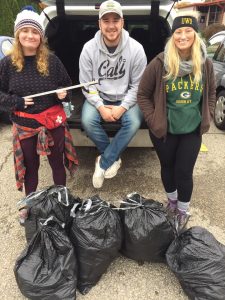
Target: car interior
point(67, 34)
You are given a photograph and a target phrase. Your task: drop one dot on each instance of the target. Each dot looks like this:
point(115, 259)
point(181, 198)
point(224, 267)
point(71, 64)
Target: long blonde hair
point(172, 59)
point(41, 56)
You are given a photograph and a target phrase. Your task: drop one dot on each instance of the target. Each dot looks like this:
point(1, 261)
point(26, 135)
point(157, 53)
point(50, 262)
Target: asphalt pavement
point(125, 279)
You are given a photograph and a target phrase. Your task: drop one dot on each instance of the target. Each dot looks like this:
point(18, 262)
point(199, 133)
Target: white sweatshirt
point(119, 72)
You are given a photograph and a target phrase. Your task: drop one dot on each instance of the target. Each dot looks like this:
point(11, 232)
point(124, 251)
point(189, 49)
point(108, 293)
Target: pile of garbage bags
point(72, 242)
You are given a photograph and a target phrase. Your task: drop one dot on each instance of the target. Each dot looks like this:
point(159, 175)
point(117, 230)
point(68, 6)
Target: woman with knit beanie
point(39, 124)
point(177, 96)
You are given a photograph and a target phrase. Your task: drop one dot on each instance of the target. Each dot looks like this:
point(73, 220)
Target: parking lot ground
point(125, 279)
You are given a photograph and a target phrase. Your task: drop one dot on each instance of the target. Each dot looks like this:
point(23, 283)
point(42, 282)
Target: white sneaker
point(98, 176)
point(113, 169)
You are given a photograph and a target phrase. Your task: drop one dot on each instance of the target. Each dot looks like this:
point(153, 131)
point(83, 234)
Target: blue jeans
point(110, 151)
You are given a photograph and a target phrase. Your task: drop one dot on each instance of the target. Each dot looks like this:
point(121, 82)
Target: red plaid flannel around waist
point(44, 141)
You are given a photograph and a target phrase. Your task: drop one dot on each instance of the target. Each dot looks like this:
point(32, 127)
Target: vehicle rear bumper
point(141, 139)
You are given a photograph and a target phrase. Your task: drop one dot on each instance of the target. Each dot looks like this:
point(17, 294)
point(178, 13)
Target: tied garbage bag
point(147, 230)
point(47, 268)
point(96, 235)
point(54, 201)
point(198, 261)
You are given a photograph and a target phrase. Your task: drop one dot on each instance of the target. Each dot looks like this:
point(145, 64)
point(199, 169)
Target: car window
point(213, 44)
point(6, 46)
point(221, 54)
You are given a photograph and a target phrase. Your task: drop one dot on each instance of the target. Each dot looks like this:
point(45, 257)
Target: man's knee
point(133, 121)
point(136, 123)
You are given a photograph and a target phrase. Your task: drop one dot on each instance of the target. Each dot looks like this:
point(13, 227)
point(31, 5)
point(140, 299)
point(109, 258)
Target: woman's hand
point(61, 94)
point(28, 102)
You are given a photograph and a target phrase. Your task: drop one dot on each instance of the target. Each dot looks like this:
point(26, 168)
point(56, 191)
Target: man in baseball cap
point(118, 61)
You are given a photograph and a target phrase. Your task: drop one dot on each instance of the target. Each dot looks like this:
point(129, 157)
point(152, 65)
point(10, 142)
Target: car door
point(216, 51)
point(219, 62)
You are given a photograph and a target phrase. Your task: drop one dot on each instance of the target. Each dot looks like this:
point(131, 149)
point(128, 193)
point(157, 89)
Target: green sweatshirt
point(183, 104)
point(152, 96)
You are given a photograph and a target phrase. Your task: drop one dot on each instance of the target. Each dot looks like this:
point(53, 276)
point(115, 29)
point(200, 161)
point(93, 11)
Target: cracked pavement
point(125, 279)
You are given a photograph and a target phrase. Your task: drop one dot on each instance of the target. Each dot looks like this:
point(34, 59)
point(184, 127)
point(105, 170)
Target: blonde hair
point(172, 59)
point(41, 56)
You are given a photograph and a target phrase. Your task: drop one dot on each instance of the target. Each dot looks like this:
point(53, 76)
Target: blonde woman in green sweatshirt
point(177, 96)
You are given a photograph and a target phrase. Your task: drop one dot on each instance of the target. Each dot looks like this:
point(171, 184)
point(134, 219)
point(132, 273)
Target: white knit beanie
point(29, 18)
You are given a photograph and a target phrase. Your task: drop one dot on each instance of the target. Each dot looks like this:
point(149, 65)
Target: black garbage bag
point(147, 229)
point(54, 201)
point(47, 268)
point(96, 235)
point(198, 261)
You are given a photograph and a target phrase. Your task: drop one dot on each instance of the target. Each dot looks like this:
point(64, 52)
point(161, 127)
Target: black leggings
point(177, 155)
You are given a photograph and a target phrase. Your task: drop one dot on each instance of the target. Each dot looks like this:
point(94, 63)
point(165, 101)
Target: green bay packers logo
point(185, 95)
point(186, 21)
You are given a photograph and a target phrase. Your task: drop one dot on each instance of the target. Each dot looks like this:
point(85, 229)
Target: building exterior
point(210, 11)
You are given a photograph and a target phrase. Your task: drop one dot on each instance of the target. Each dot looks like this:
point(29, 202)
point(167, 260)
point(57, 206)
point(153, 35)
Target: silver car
point(216, 51)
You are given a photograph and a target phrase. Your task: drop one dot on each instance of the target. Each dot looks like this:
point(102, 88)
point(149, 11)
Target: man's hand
point(106, 114)
point(117, 111)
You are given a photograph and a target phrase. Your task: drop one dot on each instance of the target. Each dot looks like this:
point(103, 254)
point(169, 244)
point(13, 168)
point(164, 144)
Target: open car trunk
point(67, 33)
